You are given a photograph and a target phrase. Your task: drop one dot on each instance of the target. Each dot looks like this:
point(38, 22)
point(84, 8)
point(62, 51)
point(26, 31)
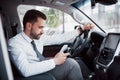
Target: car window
point(57, 21)
point(107, 17)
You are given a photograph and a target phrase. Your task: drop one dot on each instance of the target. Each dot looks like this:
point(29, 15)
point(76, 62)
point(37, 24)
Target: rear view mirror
point(104, 2)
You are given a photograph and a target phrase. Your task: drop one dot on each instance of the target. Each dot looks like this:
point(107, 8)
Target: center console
point(110, 48)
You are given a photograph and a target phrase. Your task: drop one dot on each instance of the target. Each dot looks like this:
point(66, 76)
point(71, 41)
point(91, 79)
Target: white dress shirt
point(24, 56)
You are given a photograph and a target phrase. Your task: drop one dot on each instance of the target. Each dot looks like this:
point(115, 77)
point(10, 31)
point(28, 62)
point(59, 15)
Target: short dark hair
point(32, 15)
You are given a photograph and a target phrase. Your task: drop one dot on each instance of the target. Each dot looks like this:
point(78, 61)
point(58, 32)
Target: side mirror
point(104, 2)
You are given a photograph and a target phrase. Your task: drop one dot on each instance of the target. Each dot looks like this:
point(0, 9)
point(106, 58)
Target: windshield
point(107, 17)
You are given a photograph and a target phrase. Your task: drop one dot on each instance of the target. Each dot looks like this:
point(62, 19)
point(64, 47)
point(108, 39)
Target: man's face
point(37, 29)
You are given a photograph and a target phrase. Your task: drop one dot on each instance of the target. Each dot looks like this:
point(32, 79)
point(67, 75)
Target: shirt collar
point(28, 39)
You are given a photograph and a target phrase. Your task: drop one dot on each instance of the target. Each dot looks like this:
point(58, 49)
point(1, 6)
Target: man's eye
point(40, 27)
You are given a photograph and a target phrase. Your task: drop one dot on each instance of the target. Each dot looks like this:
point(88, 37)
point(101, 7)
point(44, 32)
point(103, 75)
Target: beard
point(34, 35)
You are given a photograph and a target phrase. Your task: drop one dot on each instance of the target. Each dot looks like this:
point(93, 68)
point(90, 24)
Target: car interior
point(98, 49)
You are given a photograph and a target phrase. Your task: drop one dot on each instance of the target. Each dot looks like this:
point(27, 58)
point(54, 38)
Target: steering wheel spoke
point(79, 44)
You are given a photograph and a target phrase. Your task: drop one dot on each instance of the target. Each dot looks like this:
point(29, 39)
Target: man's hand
point(81, 28)
point(60, 58)
point(88, 26)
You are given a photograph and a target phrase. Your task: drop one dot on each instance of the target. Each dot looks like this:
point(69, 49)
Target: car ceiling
point(58, 4)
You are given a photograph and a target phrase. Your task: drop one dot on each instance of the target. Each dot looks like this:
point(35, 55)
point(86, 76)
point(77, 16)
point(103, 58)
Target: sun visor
point(68, 2)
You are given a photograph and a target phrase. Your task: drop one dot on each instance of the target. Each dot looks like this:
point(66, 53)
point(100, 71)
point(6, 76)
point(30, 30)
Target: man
point(24, 47)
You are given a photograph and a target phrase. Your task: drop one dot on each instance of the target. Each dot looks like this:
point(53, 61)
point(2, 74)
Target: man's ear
point(28, 26)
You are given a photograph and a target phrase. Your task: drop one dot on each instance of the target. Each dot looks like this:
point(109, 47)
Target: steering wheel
point(79, 44)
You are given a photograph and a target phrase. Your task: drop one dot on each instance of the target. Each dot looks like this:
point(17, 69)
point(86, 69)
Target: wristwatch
point(79, 28)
